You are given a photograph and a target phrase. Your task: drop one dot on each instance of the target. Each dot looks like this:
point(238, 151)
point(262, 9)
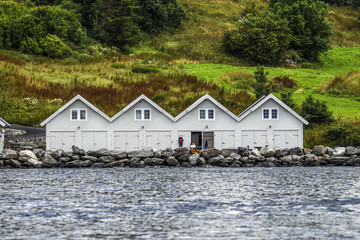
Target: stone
point(268, 151)
point(136, 162)
point(14, 163)
point(91, 158)
point(34, 163)
point(242, 150)
point(281, 152)
point(209, 153)
point(350, 151)
point(76, 157)
point(68, 154)
point(235, 165)
point(307, 150)
point(353, 161)
point(78, 151)
point(200, 161)
point(186, 165)
point(124, 161)
point(296, 164)
point(113, 164)
point(193, 159)
point(183, 158)
point(154, 161)
point(270, 159)
point(256, 153)
point(48, 161)
point(86, 163)
point(157, 154)
point(337, 161)
point(339, 152)
point(64, 159)
point(228, 160)
point(180, 151)
point(98, 165)
point(330, 151)
point(223, 164)
point(214, 160)
point(286, 159)
point(226, 152)
point(296, 151)
point(141, 154)
point(265, 164)
point(107, 159)
point(319, 150)
point(235, 156)
point(26, 154)
point(38, 152)
point(172, 161)
point(118, 154)
point(99, 153)
point(167, 153)
point(254, 158)
point(10, 154)
point(57, 154)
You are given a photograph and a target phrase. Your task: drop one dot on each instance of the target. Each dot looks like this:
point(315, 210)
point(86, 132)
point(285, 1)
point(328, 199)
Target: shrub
point(316, 111)
point(261, 87)
point(53, 46)
point(145, 69)
point(118, 65)
point(279, 83)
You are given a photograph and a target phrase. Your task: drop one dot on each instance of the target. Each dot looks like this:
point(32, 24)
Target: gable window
point(270, 114)
point(206, 114)
point(78, 115)
point(143, 114)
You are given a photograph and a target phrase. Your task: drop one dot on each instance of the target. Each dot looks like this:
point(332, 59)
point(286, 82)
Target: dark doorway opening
point(198, 138)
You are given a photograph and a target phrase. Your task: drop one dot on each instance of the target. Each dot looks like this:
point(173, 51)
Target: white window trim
point(78, 114)
point(142, 114)
point(206, 114)
point(270, 114)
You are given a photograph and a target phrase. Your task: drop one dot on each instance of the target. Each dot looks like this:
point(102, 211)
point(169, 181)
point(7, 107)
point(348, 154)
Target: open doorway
point(198, 138)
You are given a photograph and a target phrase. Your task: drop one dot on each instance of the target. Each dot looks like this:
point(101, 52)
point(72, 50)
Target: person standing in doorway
point(181, 141)
point(206, 143)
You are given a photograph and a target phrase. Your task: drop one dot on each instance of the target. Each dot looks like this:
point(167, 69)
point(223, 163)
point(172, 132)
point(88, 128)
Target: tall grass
point(345, 84)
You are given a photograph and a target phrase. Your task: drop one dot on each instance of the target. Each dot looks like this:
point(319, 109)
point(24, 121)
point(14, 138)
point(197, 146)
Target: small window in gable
point(207, 114)
point(78, 115)
point(270, 114)
point(142, 114)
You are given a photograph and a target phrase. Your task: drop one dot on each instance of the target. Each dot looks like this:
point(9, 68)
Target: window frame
point(78, 114)
point(142, 110)
point(270, 113)
point(206, 114)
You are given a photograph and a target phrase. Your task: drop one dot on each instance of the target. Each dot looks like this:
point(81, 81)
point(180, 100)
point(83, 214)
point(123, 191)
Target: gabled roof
point(3, 123)
point(76, 98)
point(263, 100)
point(202, 99)
point(142, 97)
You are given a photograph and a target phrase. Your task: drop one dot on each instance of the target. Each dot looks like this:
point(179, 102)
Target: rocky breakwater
point(182, 157)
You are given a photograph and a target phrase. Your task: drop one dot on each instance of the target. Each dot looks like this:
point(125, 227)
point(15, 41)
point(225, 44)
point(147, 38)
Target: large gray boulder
point(226, 152)
point(27, 154)
point(136, 163)
point(99, 153)
point(200, 161)
point(167, 153)
point(209, 153)
point(73, 164)
point(14, 163)
point(118, 154)
point(48, 161)
point(107, 159)
point(87, 157)
point(154, 161)
point(349, 151)
point(256, 152)
point(235, 156)
point(78, 151)
point(86, 163)
point(339, 152)
point(10, 154)
point(281, 152)
point(172, 161)
point(268, 151)
point(180, 151)
point(296, 151)
point(183, 158)
point(34, 163)
point(57, 154)
point(141, 154)
point(193, 159)
point(319, 150)
point(214, 160)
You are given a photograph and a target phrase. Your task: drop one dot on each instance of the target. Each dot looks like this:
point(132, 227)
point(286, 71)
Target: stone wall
point(182, 157)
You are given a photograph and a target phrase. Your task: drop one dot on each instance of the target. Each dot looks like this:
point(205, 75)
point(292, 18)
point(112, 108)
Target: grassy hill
point(176, 68)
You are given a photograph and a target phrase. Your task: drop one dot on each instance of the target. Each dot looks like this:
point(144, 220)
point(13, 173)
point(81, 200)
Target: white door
point(94, 140)
point(253, 138)
point(164, 140)
point(157, 140)
point(61, 140)
point(286, 138)
point(126, 140)
point(224, 139)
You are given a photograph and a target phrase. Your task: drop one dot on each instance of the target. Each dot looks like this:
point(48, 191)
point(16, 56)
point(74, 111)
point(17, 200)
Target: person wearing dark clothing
point(181, 141)
point(206, 144)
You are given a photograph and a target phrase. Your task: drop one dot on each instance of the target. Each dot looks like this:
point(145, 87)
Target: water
point(176, 203)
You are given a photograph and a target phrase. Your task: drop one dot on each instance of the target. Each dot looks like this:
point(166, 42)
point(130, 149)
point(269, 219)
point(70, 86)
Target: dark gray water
point(175, 203)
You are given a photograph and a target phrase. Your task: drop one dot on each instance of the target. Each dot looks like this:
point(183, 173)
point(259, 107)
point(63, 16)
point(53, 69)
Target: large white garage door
point(253, 138)
point(286, 138)
point(61, 140)
point(158, 140)
point(94, 140)
point(126, 140)
point(224, 139)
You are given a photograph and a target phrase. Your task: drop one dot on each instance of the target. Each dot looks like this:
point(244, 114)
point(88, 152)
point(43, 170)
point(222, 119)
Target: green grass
point(336, 62)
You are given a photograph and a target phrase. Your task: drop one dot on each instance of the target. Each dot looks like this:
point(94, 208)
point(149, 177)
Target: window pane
point(146, 114)
point(83, 114)
point(274, 113)
point(202, 114)
point(266, 113)
point(211, 114)
point(138, 114)
point(74, 114)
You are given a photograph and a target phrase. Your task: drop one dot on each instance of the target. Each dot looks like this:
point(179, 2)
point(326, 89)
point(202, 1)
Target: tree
point(316, 111)
point(306, 20)
point(261, 87)
point(286, 97)
point(261, 39)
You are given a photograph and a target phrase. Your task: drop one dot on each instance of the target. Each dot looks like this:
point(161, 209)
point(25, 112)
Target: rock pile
point(182, 157)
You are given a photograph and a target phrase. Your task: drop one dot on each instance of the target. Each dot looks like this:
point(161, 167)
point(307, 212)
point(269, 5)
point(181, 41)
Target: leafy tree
point(310, 32)
point(316, 111)
point(261, 87)
point(261, 39)
point(354, 3)
point(287, 98)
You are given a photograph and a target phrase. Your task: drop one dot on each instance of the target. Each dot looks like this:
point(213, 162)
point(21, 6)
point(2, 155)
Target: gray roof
point(3, 123)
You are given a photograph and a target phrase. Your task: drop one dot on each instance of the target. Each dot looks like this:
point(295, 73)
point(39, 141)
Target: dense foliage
point(354, 3)
point(315, 111)
point(261, 88)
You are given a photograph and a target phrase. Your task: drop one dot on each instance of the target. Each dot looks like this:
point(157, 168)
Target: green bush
point(316, 111)
point(53, 46)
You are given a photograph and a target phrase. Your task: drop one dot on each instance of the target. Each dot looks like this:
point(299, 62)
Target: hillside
point(173, 68)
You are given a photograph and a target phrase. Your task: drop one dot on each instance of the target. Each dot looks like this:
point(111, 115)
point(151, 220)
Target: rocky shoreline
point(182, 157)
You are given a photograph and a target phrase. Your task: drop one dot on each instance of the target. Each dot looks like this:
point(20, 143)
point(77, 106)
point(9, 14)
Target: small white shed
point(3, 124)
